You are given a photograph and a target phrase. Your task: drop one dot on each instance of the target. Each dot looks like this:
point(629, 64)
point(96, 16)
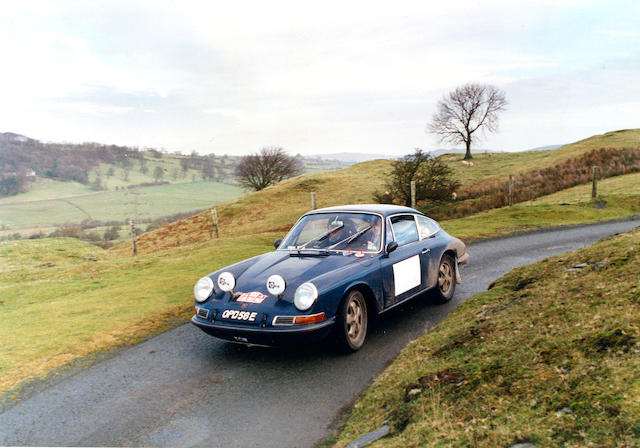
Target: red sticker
point(359, 254)
point(251, 297)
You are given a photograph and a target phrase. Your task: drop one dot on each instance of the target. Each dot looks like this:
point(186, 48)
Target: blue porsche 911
point(336, 269)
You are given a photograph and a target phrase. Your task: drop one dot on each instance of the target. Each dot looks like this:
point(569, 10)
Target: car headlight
point(226, 281)
point(203, 289)
point(305, 296)
point(276, 285)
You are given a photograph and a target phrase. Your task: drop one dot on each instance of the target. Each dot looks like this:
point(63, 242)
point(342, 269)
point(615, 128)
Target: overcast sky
point(313, 77)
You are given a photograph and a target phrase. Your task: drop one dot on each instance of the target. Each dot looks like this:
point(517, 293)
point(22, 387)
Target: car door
point(429, 248)
point(402, 269)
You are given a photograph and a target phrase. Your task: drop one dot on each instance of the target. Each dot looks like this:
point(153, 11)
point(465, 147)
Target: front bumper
point(290, 335)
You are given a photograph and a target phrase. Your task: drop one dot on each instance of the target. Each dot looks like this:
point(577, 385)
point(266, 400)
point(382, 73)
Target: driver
point(338, 231)
point(373, 236)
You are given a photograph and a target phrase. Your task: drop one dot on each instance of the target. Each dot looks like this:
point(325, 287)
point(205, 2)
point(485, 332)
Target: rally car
point(335, 270)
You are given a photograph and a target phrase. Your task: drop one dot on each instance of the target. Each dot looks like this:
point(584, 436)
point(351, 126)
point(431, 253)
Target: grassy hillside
point(627, 185)
point(492, 167)
point(55, 289)
point(62, 299)
point(276, 208)
point(523, 217)
point(548, 355)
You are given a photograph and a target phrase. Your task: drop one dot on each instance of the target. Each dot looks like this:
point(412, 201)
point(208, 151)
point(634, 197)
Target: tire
point(445, 286)
point(352, 323)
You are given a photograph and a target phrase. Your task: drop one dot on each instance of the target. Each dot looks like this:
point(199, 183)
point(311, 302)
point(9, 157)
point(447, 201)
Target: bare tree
point(466, 110)
point(269, 167)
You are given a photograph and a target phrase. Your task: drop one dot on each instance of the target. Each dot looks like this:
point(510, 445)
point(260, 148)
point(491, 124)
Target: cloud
point(326, 77)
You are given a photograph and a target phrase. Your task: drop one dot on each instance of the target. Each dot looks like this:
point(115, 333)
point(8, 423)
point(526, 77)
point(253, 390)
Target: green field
point(145, 202)
point(49, 203)
point(48, 189)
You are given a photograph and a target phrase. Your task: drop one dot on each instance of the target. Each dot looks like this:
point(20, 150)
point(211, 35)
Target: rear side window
point(427, 227)
point(404, 228)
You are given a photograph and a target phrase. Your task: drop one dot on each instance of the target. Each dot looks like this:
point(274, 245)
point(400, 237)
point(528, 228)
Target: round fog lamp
point(276, 285)
point(305, 296)
point(226, 281)
point(203, 289)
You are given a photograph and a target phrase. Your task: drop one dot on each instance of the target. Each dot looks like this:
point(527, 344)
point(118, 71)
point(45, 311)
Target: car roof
point(382, 209)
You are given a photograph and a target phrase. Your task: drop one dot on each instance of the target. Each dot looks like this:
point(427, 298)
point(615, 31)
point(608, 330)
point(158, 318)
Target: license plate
point(242, 316)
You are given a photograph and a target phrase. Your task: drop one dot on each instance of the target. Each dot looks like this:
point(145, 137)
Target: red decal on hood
point(251, 297)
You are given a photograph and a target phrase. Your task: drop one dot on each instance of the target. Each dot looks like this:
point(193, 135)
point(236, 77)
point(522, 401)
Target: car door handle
point(426, 251)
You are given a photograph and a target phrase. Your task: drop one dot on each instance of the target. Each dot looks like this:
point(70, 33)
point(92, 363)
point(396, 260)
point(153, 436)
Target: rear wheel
point(446, 284)
point(352, 321)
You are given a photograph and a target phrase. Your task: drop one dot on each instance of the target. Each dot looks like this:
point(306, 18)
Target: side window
point(404, 227)
point(427, 227)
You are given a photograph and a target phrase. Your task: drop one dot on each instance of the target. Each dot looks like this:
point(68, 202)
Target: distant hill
point(545, 148)
point(101, 166)
point(350, 157)
point(358, 157)
point(7, 137)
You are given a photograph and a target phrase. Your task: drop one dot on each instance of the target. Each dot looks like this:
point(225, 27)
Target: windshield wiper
point(350, 238)
point(326, 234)
point(310, 253)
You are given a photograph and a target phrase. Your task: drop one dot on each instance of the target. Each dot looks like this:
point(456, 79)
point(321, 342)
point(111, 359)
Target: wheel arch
point(369, 297)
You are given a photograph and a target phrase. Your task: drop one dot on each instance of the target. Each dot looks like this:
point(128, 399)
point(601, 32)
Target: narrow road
point(184, 388)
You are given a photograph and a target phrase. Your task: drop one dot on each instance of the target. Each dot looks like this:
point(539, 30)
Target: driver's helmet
point(341, 228)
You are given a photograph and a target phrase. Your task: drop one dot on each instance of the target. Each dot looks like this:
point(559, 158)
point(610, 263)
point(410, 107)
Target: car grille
point(203, 313)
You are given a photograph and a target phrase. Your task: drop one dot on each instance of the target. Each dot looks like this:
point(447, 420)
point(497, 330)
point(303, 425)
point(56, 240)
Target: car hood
point(295, 269)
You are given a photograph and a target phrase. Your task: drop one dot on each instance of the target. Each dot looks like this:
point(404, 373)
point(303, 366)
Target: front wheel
point(352, 321)
point(446, 284)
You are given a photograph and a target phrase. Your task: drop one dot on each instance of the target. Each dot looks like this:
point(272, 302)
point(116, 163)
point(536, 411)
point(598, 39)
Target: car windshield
point(335, 232)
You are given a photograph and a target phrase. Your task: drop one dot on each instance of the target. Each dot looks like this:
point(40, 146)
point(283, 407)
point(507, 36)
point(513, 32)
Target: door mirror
point(391, 246)
point(277, 242)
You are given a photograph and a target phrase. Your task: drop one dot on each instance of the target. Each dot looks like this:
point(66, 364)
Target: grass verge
point(549, 355)
point(540, 214)
point(62, 299)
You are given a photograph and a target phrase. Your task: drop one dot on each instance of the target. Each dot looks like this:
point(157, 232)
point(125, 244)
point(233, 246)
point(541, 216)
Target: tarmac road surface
point(185, 388)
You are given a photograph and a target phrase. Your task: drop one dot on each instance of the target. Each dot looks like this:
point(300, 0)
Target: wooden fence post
point(132, 229)
point(413, 194)
point(510, 190)
point(594, 188)
point(214, 221)
point(313, 200)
